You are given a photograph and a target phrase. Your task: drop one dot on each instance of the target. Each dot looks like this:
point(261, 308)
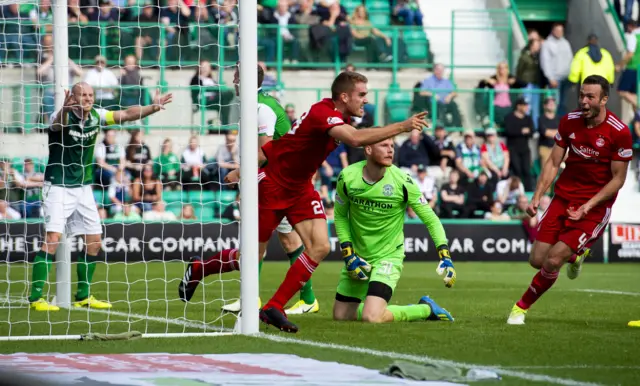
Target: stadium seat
point(350, 5)
point(380, 18)
point(171, 196)
point(201, 197)
point(417, 45)
point(377, 5)
point(102, 199)
point(175, 208)
point(397, 106)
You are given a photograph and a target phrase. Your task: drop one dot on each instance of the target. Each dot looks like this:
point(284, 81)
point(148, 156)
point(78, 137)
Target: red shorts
point(555, 225)
point(275, 202)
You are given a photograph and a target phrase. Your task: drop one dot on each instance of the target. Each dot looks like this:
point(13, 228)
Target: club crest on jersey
point(334, 120)
point(387, 190)
point(600, 142)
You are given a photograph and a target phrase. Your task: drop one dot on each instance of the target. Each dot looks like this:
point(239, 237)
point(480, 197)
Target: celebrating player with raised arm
point(599, 147)
point(273, 123)
point(372, 198)
point(67, 196)
point(285, 188)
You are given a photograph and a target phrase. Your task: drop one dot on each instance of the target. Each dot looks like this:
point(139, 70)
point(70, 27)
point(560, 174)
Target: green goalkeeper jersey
point(371, 216)
point(71, 149)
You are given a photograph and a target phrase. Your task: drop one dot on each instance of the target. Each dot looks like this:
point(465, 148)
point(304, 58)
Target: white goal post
point(202, 318)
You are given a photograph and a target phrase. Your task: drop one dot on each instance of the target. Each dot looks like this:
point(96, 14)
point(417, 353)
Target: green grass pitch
point(577, 331)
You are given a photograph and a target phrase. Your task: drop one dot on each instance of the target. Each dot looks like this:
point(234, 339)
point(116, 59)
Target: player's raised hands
point(416, 122)
point(577, 215)
point(69, 100)
point(532, 208)
point(161, 100)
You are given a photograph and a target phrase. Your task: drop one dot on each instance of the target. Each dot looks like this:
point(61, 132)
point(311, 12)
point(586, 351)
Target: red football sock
point(222, 262)
point(573, 258)
point(542, 281)
point(297, 275)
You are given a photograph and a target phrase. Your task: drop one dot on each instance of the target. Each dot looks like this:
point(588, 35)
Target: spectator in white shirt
point(507, 191)
point(427, 186)
point(7, 212)
point(193, 162)
point(118, 191)
point(103, 81)
point(158, 213)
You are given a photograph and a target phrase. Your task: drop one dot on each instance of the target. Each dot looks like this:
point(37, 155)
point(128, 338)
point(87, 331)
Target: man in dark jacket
point(479, 196)
point(518, 127)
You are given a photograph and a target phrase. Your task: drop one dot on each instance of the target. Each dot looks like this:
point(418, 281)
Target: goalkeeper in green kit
point(371, 199)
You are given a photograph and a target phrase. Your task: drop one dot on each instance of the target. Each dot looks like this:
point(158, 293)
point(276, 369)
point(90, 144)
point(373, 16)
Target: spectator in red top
point(495, 156)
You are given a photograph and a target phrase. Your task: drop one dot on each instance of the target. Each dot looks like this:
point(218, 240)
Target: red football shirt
point(295, 157)
point(588, 165)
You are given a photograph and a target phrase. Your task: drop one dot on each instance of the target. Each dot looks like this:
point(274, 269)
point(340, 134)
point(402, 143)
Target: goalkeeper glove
point(356, 266)
point(445, 266)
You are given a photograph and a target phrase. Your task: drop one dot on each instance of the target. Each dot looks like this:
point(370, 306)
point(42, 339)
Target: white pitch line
point(355, 349)
point(610, 292)
point(574, 367)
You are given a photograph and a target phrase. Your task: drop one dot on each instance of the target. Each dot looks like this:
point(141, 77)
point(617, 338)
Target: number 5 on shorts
point(317, 207)
point(583, 240)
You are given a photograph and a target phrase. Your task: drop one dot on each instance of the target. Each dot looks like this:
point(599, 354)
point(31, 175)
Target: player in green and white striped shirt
point(68, 200)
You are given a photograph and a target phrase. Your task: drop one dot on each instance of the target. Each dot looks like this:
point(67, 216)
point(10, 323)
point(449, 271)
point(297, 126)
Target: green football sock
point(360, 308)
point(41, 268)
point(86, 267)
point(404, 313)
point(410, 313)
point(306, 292)
point(260, 267)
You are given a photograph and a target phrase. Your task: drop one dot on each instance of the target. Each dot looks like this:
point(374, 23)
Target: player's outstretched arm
point(61, 118)
point(135, 113)
point(357, 138)
point(549, 173)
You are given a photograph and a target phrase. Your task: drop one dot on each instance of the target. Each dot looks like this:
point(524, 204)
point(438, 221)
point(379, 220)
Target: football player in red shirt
point(599, 150)
point(285, 188)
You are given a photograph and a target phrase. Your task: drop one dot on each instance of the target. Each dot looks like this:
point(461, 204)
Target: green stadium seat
point(377, 5)
point(101, 196)
point(203, 197)
point(350, 5)
point(417, 45)
point(175, 208)
point(380, 18)
point(171, 196)
point(397, 106)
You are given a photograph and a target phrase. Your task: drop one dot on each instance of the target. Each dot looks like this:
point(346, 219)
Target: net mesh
point(156, 183)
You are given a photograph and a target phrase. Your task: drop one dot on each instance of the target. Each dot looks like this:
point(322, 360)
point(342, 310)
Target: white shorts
point(284, 226)
point(70, 209)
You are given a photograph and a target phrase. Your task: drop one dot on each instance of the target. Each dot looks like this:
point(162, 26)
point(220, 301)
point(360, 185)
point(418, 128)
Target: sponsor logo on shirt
point(599, 142)
point(585, 152)
point(78, 135)
point(371, 204)
point(625, 153)
point(334, 120)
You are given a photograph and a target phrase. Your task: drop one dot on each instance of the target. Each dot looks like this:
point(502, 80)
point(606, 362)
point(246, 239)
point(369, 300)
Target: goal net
point(157, 182)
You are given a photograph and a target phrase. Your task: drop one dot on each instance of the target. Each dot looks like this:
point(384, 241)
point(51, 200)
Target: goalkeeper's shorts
point(387, 271)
